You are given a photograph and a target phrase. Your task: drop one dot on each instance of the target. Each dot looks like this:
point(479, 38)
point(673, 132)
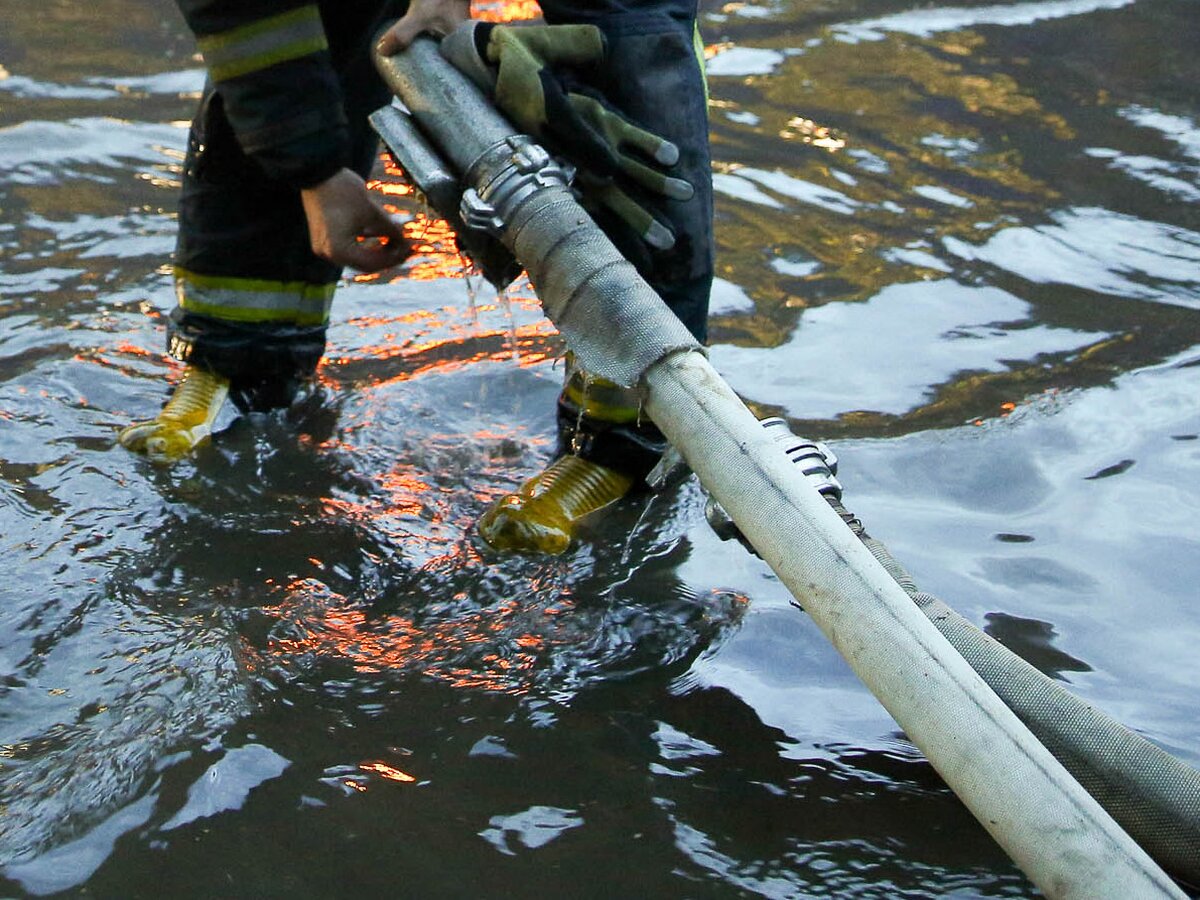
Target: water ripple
point(928, 22)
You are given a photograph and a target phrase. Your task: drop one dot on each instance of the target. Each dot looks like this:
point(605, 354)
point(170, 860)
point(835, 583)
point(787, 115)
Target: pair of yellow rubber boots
point(539, 517)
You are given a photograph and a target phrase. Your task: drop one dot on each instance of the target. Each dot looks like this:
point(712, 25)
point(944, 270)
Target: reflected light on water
point(450, 354)
point(434, 241)
point(403, 496)
point(712, 50)
point(494, 649)
point(391, 773)
point(810, 132)
point(929, 229)
point(435, 248)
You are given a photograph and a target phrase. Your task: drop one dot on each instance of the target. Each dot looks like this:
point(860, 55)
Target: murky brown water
point(961, 243)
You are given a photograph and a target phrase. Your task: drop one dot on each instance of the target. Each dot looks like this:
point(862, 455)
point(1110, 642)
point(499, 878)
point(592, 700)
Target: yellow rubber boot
point(541, 516)
point(184, 423)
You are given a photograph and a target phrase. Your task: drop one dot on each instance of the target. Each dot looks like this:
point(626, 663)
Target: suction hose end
point(541, 515)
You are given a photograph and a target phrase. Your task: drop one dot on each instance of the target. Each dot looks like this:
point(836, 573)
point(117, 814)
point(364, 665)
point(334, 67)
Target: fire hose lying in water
point(1048, 776)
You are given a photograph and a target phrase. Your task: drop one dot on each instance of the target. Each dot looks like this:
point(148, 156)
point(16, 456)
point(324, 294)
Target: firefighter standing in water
point(274, 205)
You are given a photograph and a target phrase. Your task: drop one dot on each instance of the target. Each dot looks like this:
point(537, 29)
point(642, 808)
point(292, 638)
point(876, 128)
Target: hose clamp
point(508, 173)
point(815, 460)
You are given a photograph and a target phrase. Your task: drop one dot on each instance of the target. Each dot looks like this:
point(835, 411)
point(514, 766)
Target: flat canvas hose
point(620, 329)
point(1150, 793)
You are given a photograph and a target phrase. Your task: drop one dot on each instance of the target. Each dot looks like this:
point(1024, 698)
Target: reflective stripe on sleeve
point(254, 299)
point(262, 44)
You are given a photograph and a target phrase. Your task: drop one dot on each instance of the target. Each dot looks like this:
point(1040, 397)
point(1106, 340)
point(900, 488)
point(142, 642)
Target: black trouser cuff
point(265, 364)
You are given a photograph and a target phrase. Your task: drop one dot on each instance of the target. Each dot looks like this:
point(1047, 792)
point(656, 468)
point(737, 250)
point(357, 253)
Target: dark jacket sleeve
point(269, 60)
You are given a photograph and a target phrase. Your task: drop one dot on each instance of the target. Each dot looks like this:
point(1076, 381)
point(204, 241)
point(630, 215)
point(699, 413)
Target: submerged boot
point(541, 515)
point(606, 453)
point(184, 422)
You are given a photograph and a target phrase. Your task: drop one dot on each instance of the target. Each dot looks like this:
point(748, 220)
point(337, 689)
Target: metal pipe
point(452, 112)
point(618, 327)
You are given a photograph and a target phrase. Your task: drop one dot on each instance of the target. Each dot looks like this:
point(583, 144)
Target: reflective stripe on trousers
point(253, 300)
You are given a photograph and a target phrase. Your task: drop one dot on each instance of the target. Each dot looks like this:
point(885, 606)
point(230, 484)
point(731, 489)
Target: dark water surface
point(962, 244)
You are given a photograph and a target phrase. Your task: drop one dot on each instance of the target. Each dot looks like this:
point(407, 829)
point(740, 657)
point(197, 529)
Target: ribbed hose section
point(1151, 794)
point(197, 399)
point(184, 422)
point(542, 515)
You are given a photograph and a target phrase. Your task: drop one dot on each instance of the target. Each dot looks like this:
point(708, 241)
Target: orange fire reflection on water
point(532, 346)
point(505, 10)
point(492, 649)
point(391, 773)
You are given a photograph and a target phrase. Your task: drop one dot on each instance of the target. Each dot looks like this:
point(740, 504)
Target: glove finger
point(575, 131)
point(635, 216)
point(626, 134)
point(618, 132)
point(651, 180)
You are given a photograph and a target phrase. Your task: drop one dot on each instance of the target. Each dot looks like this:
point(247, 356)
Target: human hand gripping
point(436, 17)
point(346, 227)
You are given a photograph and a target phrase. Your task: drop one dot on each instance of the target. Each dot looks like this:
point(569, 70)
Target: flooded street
point(960, 244)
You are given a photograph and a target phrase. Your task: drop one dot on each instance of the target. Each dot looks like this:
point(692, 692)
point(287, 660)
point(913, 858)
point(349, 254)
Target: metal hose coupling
point(439, 184)
point(508, 173)
point(814, 459)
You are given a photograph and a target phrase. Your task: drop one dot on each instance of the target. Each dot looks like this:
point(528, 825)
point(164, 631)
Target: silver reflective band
point(254, 300)
point(262, 44)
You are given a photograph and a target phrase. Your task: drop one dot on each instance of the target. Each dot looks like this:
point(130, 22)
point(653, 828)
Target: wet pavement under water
point(961, 244)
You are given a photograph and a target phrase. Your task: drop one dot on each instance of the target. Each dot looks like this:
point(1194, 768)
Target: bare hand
point(437, 17)
point(347, 228)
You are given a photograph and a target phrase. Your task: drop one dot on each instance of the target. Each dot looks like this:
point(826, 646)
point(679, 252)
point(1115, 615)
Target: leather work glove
point(527, 70)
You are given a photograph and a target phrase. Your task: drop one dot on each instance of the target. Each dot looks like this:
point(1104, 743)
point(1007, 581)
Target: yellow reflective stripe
point(602, 399)
point(698, 49)
point(254, 299)
point(264, 43)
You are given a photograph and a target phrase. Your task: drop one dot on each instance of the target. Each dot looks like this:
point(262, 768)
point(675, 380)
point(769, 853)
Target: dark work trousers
point(243, 239)
point(654, 76)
